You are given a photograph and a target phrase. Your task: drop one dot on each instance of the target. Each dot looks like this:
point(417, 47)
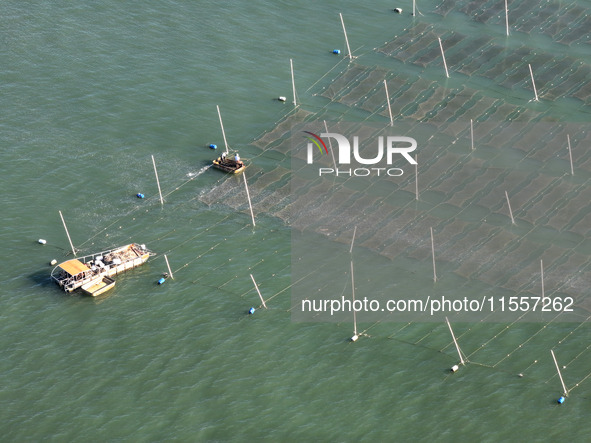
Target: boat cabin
point(72, 272)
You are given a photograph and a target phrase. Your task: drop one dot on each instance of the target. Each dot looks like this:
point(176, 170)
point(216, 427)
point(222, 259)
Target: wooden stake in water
point(416, 178)
point(510, 211)
point(433, 254)
point(507, 17)
point(248, 196)
point(472, 133)
point(346, 39)
point(388, 101)
point(455, 342)
point(542, 276)
point(564, 390)
point(570, 156)
point(293, 83)
point(352, 240)
point(531, 73)
point(67, 233)
point(157, 181)
point(355, 336)
point(168, 266)
point(443, 55)
point(259, 292)
point(330, 146)
point(222, 125)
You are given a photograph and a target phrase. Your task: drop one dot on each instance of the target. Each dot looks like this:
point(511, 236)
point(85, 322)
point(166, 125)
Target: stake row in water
point(462, 361)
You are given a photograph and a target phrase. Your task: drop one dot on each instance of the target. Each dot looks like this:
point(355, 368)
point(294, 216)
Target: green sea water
point(89, 92)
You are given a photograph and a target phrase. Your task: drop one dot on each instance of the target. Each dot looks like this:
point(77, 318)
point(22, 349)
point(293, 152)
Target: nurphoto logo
point(388, 149)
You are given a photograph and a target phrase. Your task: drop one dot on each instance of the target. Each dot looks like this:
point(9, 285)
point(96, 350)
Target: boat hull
point(98, 286)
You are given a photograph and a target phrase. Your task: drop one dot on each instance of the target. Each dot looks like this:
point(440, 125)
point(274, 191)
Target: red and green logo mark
point(315, 140)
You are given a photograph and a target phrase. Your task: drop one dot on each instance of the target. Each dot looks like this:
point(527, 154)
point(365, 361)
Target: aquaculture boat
point(231, 165)
point(92, 273)
point(223, 162)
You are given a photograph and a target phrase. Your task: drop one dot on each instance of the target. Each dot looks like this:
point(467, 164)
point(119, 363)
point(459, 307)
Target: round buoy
point(336, 51)
point(282, 99)
point(53, 262)
point(162, 280)
point(251, 311)
point(139, 195)
point(398, 10)
point(212, 146)
point(41, 241)
point(454, 368)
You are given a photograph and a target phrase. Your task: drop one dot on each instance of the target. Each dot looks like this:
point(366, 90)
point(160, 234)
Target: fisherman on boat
point(237, 160)
point(231, 164)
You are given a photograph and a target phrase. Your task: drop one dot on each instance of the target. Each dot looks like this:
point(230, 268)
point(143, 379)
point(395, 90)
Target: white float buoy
point(354, 338)
point(42, 241)
point(398, 10)
point(282, 99)
point(454, 368)
point(53, 262)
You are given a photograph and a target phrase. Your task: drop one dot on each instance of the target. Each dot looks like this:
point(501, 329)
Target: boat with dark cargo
point(230, 165)
point(92, 273)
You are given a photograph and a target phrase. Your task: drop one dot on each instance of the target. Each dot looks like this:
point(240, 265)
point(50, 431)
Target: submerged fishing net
point(465, 183)
point(462, 199)
point(518, 158)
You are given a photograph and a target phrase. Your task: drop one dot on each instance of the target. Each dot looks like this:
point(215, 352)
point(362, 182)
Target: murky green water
point(90, 92)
